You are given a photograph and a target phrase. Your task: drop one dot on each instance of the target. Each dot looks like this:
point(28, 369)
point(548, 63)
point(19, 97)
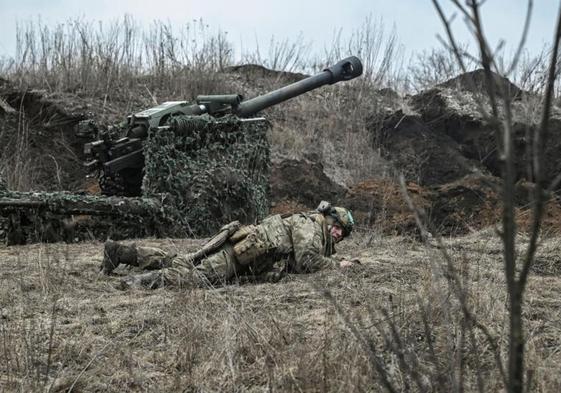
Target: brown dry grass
point(62, 326)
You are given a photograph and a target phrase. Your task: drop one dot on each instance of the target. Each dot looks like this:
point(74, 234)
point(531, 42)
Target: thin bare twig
point(505, 135)
point(539, 157)
point(522, 41)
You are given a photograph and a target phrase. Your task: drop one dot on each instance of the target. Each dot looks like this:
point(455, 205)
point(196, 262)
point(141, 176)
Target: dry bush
point(283, 55)
point(430, 68)
point(17, 166)
point(106, 59)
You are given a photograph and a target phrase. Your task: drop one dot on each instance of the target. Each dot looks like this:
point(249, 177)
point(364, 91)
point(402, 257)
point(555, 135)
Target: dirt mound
point(380, 203)
point(465, 205)
point(457, 115)
point(52, 111)
point(448, 137)
point(255, 71)
point(551, 222)
point(456, 208)
point(302, 181)
point(454, 109)
point(475, 82)
point(475, 202)
point(38, 137)
point(424, 155)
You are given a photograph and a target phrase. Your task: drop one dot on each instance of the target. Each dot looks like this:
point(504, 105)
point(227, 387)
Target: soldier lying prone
point(299, 243)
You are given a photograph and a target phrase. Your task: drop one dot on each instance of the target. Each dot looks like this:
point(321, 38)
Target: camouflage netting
point(27, 217)
point(216, 170)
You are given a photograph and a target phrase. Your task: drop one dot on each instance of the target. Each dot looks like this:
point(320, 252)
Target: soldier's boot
point(150, 280)
point(114, 254)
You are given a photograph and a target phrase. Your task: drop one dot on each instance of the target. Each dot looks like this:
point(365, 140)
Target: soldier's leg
point(152, 258)
point(115, 253)
point(216, 269)
point(148, 258)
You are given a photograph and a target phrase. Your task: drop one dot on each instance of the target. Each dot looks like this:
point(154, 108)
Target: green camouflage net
point(28, 217)
point(204, 173)
point(216, 170)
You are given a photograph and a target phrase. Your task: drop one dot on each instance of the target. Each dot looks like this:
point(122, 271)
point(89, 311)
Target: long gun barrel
point(344, 70)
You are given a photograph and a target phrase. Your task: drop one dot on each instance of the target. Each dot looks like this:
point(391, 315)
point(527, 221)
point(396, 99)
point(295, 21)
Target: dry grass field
point(64, 327)
point(413, 316)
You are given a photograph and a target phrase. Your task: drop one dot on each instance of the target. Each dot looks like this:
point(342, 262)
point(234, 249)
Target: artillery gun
point(180, 169)
point(119, 163)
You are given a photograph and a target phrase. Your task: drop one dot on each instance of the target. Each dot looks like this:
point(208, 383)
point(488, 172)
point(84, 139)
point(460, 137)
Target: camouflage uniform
point(300, 243)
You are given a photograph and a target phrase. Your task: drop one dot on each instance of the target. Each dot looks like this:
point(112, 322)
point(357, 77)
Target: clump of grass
point(104, 59)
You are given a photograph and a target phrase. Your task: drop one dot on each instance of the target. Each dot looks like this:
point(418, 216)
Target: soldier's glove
point(346, 263)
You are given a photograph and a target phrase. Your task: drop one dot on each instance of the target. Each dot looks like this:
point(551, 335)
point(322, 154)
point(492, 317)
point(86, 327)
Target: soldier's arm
point(307, 242)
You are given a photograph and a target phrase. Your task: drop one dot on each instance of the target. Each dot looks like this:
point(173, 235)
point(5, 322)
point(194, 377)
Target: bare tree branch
point(522, 41)
point(539, 157)
point(450, 34)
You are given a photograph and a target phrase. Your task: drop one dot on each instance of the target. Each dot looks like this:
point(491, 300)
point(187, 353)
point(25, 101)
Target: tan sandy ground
point(65, 327)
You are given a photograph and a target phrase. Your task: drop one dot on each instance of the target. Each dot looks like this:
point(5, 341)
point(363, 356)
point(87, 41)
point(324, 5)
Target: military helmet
point(337, 215)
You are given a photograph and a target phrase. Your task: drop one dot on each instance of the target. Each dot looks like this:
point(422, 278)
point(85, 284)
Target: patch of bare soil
point(551, 221)
point(65, 327)
point(302, 181)
point(381, 203)
point(468, 204)
point(424, 155)
point(460, 207)
point(474, 202)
